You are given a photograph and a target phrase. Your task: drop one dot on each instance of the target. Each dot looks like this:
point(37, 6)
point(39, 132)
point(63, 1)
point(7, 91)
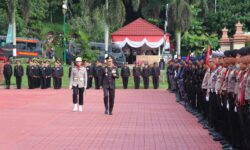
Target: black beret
point(234, 53)
point(242, 51)
point(227, 53)
point(246, 49)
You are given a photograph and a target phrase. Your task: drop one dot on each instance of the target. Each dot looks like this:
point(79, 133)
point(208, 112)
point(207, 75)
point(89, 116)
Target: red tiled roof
point(139, 27)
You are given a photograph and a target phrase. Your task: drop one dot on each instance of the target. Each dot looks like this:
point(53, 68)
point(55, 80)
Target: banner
point(9, 38)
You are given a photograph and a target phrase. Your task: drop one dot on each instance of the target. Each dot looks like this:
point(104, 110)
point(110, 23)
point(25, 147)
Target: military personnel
point(247, 97)
point(145, 74)
point(110, 73)
point(172, 86)
point(49, 72)
point(29, 74)
point(180, 81)
point(36, 74)
point(212, 94)
point(155, 71)
point(43, 77)
point(242, 106)
point(125, 74)
point(97, 74)
point(7, 72)
point(18, 73)
point(221, 97)
point(70, 68)
point(205, 91)
point(57, 75)
point(200, 74)
point(168, 74)
point(137, 74)
point(78, 82)
point(90, 71)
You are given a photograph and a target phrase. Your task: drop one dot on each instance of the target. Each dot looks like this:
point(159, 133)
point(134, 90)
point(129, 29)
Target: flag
point(208, 55)
point(9, 38)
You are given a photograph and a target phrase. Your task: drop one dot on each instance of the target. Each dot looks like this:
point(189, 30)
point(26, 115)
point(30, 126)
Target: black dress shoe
point(217, 138)
point(110, 113)
point(227, 147)
point(223, 142)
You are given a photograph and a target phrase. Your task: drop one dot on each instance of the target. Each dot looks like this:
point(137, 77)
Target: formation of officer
point(109, 75)
point(38, 72)
point(217, 92)
point(41, 72)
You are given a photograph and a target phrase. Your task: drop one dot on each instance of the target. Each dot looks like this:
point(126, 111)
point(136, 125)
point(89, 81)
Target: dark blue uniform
point(108, 83)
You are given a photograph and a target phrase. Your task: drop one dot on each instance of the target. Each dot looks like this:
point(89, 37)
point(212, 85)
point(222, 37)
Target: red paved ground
point(142, 119)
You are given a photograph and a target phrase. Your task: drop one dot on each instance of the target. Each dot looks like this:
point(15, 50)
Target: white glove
point(70, 87)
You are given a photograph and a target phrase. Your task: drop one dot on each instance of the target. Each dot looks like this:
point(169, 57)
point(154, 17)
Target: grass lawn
point(65, 81)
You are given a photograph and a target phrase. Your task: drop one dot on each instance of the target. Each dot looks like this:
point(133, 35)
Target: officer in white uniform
point(78, 82)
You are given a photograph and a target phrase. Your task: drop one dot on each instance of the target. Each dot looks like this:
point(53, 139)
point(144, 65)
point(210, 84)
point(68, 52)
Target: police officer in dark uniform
point(7, 72)
point(98, 74)
point(29, 74)
point(125, 73)
point(110, 73)
point(43, 73)
point(49, 74)
point(137, 74)
point(36, 73)
point(89, 68)
point(18, 73)
point(70, 69)
point(145, 75)
point(155, 75)
point(57, 74)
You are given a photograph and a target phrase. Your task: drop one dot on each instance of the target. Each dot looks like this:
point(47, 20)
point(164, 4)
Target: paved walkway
point(142, 119)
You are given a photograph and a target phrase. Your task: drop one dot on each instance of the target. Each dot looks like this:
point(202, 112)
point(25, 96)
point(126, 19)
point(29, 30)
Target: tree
point(11, 13)
point(179, 19)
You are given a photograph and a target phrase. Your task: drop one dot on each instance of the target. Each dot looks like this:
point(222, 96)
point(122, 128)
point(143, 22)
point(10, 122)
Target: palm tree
point(113, 13)
point(11, 13)
point(179, 15)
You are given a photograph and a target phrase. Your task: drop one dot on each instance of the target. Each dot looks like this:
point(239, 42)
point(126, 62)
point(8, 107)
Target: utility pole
point(106, 36)
point(165, 29)
point(64, 9)
point(215, 5)
point(13, 20)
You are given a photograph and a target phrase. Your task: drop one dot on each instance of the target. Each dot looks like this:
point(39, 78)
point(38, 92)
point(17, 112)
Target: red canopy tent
point(139, 33)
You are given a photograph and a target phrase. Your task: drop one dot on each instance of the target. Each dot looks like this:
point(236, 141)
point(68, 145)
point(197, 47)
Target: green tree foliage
point(87, 53)
point(196, 38)
point(228, 13)
point(37, 18)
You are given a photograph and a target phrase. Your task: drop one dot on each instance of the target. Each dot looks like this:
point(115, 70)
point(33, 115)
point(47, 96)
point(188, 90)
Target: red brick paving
point(142, 119)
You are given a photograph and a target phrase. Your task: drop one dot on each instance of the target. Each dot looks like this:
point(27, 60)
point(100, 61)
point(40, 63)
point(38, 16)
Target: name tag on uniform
point(81, 79)
point(227, 105)
point(207, 98)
